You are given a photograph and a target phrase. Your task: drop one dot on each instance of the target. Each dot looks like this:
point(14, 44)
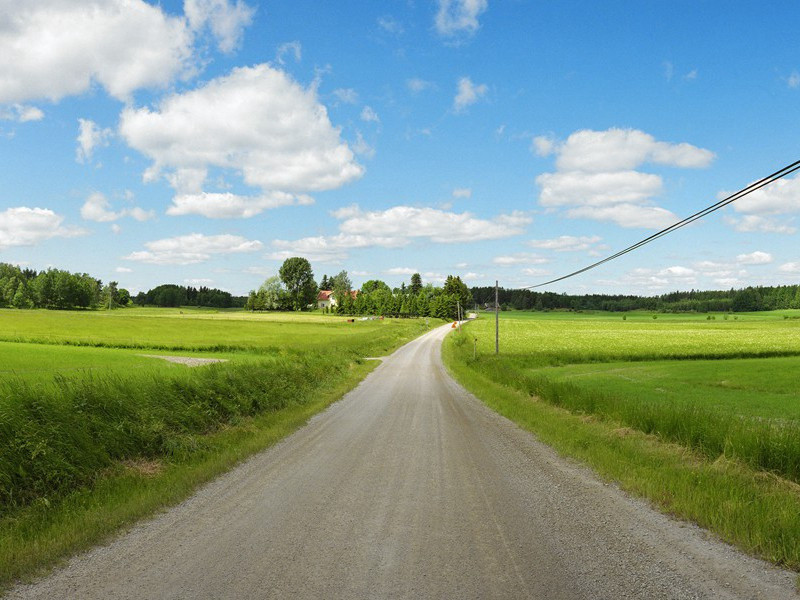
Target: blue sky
point(202, 142)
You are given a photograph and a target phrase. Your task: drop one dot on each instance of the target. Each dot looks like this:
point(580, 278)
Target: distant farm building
point(325, 298)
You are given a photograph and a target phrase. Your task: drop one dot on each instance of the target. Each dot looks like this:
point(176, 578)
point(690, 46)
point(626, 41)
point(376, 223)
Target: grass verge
point(38, 535)
point(754, 510)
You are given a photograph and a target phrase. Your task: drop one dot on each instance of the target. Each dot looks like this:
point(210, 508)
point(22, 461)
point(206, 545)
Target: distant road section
point(411, 488)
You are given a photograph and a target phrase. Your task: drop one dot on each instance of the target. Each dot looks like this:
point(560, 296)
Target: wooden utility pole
point(496, 316)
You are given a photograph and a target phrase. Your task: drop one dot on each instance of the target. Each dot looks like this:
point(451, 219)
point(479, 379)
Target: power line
point(787, 170)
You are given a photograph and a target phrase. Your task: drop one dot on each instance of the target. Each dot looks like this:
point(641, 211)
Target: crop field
point(721, 396)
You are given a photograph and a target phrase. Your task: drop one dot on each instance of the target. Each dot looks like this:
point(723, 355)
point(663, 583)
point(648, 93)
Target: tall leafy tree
point(297, 276)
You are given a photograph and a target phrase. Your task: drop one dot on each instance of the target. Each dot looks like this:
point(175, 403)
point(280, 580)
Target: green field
point(719, 398)
point(93, 435)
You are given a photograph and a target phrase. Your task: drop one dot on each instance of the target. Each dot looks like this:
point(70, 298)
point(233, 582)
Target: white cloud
point(626, 215)
point(123, 270)
point(192, 249)
point(570, 188)
point(625, 149)
point(790, 267)
point(462, 193)
point(543, 145)
point(55, 48)
point(754, 258)
point(391, 25)
point(596, 176)
point(256, 121)
point(397, 227)
point(520, 258)
point(456, 17)
point(534, 272)
point(346, 95)
point(232, 206)
point(97, 208)
point(23, 226)
point(294, 49)
point(757, 223)
point(362, 147)
point(198, 281)
point(368, 114)
point(779, 197)
point(90, 136)
point(225, 19)
point(21, 113)
point(437, 225)
point(116, 229)
point(793, 80)
point(565, 243)
point(468, 93)
point(417, 85)
point(401, 271)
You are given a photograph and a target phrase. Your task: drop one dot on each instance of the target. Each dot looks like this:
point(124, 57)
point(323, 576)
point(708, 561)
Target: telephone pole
point(496, 316)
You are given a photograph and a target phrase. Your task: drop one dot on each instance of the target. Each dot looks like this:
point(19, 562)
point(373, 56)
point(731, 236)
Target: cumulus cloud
point(232, 206)
point(754, 258)
point(757, 223)
point(520, 258)
point(778, 198)
point(462, 193)
point(23, 226)
point(596, 175)
point(346, 95)
point(21, 113)
point(123, 270)
point(368, 114)
point(790, 267)
point(97, 208)
point(256, 122)
point(467, 94)
point(192, 249)
point(362, 147)
point(90, 136)
point(224, 19)
point(52, 48)
point(401, 271)
point(397, 227)
point(566, 243)
point(793, 81)
point(459, 17)
point(417, 85)
point(294, 49)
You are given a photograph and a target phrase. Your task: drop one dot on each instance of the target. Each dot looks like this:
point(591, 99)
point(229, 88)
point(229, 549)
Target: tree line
point(294, 288)
point(56, 289)
point(749, 299)
point(173, 295)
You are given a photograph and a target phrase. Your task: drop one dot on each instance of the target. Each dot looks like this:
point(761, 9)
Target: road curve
point(411, 488)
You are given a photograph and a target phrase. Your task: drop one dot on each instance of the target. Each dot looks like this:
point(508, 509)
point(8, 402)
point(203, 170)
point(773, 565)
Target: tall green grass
point(62, 436)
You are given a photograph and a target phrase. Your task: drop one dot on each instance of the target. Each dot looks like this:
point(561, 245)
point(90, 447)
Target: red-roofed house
point(325, 298)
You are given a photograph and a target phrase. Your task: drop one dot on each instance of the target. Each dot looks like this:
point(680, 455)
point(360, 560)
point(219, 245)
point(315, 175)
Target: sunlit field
point(700, 415)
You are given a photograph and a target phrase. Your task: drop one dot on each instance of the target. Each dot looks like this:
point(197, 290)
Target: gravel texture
point(189, 361)
point(411, 488)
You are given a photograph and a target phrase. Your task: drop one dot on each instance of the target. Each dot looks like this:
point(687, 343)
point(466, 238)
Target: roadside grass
point(710, 456)
point(93, 436)
point(43, 534)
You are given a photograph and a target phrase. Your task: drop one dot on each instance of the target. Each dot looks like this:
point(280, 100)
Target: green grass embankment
point(732, 470)
point(93, 438)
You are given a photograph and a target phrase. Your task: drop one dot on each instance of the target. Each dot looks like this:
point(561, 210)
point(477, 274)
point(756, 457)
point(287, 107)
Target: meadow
point(94, 435)
point(718, 391)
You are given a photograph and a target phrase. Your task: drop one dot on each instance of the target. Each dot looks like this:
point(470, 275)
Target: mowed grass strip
point(725, 466)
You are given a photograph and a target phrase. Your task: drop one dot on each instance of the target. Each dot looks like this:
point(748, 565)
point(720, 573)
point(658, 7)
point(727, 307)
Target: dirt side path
point(411, 488)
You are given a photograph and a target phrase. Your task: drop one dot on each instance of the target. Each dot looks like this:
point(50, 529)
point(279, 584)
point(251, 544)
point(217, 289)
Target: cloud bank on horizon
point(208, 140)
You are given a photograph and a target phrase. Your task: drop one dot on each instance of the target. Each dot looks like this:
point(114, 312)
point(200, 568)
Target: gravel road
point(410, 488)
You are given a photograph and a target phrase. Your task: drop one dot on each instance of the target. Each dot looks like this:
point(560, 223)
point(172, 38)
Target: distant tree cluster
point(177, 295)
point(56, 289)
point(291, 289)
point(749, 299)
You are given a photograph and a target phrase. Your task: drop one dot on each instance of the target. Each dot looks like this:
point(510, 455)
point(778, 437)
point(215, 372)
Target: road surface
point(411, 488)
